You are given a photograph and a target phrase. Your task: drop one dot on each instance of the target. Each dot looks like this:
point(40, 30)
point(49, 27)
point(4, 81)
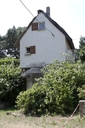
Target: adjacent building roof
point(70, 42)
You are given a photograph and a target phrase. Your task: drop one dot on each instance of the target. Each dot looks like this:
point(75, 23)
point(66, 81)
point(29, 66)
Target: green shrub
point(10, 60)
point(56, 92)
point(82, 92)
point(11, 82)
point(44, 100)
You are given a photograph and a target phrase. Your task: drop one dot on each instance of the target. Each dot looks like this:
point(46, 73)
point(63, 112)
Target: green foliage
point(56, 92)
point(82, 92)
point(82, 54)
point(82, 49)
point(7, 42)
point(10, 60)
point(82, 42)
point(11, 82)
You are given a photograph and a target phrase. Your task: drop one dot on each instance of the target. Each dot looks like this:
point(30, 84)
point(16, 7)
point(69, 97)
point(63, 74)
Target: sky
point(69, 14)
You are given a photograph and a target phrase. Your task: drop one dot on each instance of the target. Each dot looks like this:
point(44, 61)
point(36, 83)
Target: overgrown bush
point(56, 92)
point(10, 60)
point(11, 82)
point(82, 92)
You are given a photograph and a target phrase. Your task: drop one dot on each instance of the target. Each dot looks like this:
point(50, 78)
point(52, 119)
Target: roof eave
point(17, 43)
point(70, 42)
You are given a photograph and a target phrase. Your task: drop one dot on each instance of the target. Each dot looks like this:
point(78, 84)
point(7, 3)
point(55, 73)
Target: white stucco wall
point(48, 47)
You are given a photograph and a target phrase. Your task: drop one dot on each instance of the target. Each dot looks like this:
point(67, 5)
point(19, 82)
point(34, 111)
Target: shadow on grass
point(11, 108)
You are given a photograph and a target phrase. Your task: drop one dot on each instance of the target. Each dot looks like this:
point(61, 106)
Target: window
point(38, 26)
point(30, 50)
point(41, 26)
point(35, 26)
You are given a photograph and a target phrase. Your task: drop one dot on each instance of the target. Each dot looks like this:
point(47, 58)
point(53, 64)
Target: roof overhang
point(31, 71)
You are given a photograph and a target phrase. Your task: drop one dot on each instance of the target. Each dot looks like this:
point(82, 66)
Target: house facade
point(42, 42)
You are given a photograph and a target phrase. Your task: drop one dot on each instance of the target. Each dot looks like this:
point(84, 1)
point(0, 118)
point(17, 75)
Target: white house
point(41, 43)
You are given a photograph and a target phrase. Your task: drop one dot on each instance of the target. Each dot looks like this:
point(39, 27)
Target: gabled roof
point(70, 42)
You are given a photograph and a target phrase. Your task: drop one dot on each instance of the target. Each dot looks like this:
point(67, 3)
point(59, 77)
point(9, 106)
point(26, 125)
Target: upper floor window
point(34, 26)
point(38, 26)
point(30, 50)
point(41, 26)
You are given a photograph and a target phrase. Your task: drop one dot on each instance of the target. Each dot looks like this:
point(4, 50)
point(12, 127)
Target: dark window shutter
point(32, 49)
point(35, 26)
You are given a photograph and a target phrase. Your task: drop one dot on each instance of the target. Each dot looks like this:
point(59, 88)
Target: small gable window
point(41, 26)
point(38, 26)
point(30, 50)
point(35, 26)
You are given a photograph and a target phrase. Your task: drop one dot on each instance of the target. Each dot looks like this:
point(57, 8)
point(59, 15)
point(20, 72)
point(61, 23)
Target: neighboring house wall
point(48, 47)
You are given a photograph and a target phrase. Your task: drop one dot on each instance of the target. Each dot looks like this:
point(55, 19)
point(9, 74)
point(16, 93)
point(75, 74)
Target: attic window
point(38, 26)
point(30, 50)
point(41, 26)
point(35, 26)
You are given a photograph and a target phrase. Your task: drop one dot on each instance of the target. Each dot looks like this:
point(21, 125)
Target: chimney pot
point(39, 11)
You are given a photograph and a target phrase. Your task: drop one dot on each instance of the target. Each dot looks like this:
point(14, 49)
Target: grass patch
point(22, 121)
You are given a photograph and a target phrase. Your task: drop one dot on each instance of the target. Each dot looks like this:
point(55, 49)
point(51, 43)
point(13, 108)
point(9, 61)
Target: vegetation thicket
point(56, 92)
point(11, 82)
point(82, 49)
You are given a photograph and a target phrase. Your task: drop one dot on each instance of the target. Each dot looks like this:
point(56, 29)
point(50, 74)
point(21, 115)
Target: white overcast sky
point(69, 14)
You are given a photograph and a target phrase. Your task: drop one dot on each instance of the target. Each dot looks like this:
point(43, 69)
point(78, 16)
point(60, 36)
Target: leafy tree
point(7, 41)
point(11, 82)
point(3, 53)
point(55, 92)
point(11, 38)
point(82, 42)
point(82, 48)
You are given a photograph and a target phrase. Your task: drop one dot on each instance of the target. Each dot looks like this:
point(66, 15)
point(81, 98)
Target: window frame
point(32, 50)
point(38, 26)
